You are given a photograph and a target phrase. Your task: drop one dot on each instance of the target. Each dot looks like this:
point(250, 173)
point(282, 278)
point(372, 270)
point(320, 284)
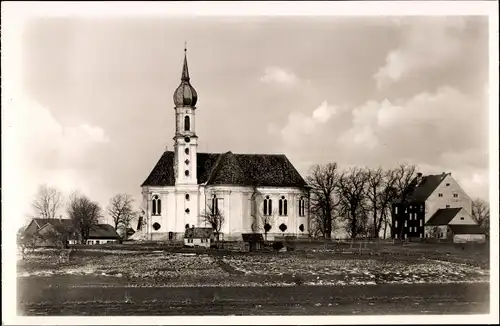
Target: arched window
point(214, 204)
point(186, 151)
point(186, 123)
point(156, 205)
point(302, 207)
point(268, 206)
point(282, 206)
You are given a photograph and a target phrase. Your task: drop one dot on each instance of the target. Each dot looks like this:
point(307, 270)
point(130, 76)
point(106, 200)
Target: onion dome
point(185, 94)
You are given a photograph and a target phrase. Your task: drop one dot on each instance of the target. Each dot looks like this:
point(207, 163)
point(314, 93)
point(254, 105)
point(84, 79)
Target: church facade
point(247, 190)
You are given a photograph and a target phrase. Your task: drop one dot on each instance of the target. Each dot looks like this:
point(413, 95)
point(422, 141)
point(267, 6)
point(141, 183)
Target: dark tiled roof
point(58, 224)
point(252, 237)
point(420, 191)
point(466, 229)
point(231, 169)
point(443, 216)
point(104, 231)
point(65, 225)
point(199, 233)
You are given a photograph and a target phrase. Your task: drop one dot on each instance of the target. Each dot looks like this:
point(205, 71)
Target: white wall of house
point(197, 242)
point(448, 188)
point(100, 241)
point(462, 238)
point(463, 218)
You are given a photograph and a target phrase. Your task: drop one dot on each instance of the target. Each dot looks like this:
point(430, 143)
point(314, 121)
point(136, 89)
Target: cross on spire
point(185, 71)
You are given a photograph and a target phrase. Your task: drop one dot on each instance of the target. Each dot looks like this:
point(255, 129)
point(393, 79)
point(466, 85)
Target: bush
point(277, 246)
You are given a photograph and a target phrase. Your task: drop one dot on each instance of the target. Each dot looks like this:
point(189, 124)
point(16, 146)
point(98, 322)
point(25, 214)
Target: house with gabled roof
point(429, 206)
point(50, 231)
point(185, 184)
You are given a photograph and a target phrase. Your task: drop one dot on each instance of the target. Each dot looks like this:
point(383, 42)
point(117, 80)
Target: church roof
point(231, 169)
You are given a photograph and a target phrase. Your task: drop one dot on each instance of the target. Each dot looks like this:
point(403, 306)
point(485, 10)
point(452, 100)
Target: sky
point(93, 108)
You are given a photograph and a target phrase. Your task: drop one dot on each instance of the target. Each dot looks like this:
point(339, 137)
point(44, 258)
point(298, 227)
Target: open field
point(128, 280)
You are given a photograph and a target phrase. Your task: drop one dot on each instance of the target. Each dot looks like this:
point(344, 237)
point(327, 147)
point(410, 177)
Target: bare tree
point(387, 196)
point(213, 217)
point(352, 195)
point(120, 210)
point(481, 214)
point(85, 214)
point(374, 189)
point(324, 180)
point(47, 202)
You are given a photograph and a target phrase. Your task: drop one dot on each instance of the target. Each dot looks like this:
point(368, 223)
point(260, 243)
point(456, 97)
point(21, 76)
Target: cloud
point(41, 150)
point(280, 76)
point(426, 43)
point(300, 124)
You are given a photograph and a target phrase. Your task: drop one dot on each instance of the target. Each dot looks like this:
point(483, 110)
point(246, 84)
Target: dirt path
point(53, 296)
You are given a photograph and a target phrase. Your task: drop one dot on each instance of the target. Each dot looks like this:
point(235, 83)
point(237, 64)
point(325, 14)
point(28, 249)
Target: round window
point(187, 139)
point(187, 162)
point(186, 173)
point(187, 196)
point(187, 210)
point(186, 151)
point(156, 226)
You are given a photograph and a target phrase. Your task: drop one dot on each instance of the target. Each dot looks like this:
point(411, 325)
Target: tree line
point(359, 200)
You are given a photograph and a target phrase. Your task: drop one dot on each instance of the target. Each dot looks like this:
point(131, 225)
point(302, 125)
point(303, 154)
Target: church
point(248, 190)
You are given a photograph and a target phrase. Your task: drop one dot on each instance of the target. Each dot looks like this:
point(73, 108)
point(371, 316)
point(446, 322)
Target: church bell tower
point(185, 139)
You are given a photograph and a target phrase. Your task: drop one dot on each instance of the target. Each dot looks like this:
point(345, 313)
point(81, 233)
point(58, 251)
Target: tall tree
point(121, 211)
point(47, 202)
point(352, 194)
point(214, 217)
point(85, 214)
point(481, 214)
point(323, 181)
point(387, 197)
point(374, 188)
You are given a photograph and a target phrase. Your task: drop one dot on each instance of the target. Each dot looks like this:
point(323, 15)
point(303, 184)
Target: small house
point(101, 234)
point(466, 233)
point(253, 241)
point(198, 237)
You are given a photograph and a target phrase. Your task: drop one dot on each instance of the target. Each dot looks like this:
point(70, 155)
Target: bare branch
point(47, 203)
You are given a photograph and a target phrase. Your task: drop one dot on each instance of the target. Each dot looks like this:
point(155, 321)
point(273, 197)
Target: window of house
point(187, 196)
point(268, 206)
point(440, 195)
point(455, 195)
point(186, 173)
point(421, 235)
point(395, 209)
point(422, 207)
point(396, 224)
point(302, 207)
point(156, 205)
point(186, 151)
point(462, 218)
point(406, 223)
point(421, 222)
point(215, 205)
point(447, 206)
point(282, 206)
point(97, 242)
point(187, 123)
point(447, 185)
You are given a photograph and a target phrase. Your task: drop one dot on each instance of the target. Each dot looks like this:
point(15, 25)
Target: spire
point(185, 94)
point(185, 71)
